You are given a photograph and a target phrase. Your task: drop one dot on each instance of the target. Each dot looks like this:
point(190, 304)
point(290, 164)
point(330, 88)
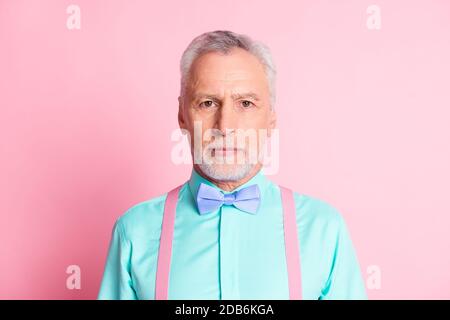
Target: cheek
point(206, 119)
point(257, 121)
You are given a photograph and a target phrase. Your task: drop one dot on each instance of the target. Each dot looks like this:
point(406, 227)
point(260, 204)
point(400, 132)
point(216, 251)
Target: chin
point(226, 172)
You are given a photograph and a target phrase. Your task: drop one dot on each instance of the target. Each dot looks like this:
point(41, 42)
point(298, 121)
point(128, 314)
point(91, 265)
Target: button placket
point(229, 254)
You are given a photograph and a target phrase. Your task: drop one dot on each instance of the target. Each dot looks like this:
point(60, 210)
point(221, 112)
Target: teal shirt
point(231, 254)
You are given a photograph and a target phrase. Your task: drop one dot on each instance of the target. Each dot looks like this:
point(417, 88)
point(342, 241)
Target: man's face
point(228, 97)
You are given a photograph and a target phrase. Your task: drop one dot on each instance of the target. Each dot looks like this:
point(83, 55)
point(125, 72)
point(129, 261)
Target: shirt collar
point(195, 180)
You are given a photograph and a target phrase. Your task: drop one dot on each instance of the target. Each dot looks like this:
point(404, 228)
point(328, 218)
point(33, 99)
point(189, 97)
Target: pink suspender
point(165, 245)
point(291, 244)
point(290, 239)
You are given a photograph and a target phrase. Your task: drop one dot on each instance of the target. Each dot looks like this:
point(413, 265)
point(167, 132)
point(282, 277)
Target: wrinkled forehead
point(236, 71)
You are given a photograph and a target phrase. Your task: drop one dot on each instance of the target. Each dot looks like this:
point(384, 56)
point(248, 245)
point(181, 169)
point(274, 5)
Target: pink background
point(86, 119)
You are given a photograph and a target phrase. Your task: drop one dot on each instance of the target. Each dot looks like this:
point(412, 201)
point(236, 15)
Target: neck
point(230, 185)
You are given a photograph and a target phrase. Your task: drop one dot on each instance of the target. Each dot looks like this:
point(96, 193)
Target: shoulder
point(311, 210)
point(318, 215)
point(319, 208)
point(143, 218)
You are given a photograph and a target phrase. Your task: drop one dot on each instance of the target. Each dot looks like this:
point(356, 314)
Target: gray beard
point(238, 172)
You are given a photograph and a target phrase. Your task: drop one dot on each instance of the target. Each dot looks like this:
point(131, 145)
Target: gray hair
point(223, 41)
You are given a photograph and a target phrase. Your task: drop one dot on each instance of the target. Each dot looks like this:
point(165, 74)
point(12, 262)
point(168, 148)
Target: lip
point(226, 150)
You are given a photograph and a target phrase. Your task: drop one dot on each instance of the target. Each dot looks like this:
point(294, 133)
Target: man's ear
point(181, 121)
point(272, 122)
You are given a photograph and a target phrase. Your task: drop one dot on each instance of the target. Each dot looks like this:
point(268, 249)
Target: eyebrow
point(235, 96)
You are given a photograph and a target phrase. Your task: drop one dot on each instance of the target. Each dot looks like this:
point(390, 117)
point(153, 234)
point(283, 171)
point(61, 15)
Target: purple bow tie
point(210, 199)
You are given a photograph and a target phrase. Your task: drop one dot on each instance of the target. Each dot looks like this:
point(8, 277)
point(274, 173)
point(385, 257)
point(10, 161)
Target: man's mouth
point(223, 152)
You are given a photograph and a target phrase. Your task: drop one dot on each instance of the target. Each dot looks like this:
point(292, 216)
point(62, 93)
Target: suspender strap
point(165, 245)
point(291, 244)
point(290, 239)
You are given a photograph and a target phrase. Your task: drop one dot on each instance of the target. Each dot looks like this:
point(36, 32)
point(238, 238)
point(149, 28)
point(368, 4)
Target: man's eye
point(247, 104)
point(206, 104)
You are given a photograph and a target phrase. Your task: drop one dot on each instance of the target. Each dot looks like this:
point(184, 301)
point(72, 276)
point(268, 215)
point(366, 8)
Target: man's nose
point(227, 117)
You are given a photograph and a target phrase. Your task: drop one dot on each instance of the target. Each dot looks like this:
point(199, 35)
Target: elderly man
point(229, 232)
